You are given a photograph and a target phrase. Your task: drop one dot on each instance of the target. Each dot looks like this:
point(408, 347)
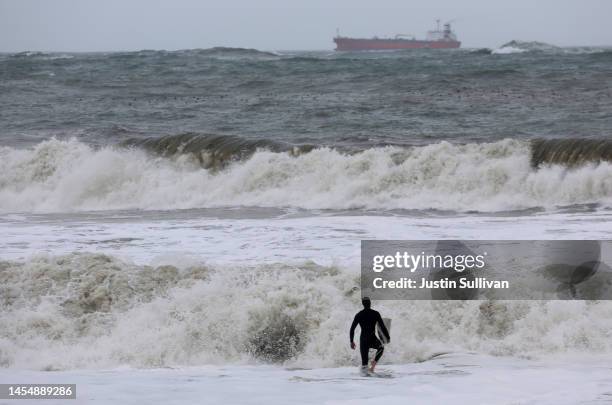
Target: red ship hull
point(358, 44)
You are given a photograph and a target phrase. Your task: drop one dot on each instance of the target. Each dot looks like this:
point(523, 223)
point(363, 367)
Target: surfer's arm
point(353, 326)
point(383, 327)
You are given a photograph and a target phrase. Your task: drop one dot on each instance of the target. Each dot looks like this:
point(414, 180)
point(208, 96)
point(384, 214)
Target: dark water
point(529, 131)
point(352, 100)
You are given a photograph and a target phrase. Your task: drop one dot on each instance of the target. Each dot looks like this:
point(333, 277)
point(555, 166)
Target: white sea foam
point(95, 311)
point(526, 46)
point(456, 379)
point(504, 50)
point(59, 176)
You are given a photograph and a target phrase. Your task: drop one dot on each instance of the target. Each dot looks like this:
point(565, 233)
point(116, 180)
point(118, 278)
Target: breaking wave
point(504, 50)
point(96, 311)
point(212, 151)
point(59, 176)
point(41, 55)
point(570, 152)
point(481, 51)
point(222, 51)
point(525, 46)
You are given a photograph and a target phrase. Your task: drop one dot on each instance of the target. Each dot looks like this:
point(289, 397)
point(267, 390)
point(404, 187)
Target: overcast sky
point(104, 25)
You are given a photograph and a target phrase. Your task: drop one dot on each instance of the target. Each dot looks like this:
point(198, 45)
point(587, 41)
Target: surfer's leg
point(379, 352)
point(363, 349)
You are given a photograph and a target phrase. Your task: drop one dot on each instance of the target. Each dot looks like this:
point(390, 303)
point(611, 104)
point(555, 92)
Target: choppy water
point(351, 99)
point(154, 188)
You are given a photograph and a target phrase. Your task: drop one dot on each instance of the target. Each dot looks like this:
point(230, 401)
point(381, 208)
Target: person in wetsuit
point(367, 319)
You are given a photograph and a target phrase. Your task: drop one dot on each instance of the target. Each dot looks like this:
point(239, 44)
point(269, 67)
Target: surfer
point(367, 319)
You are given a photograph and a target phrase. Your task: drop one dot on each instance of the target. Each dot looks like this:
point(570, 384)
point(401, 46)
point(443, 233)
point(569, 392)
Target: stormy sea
point(190, 221)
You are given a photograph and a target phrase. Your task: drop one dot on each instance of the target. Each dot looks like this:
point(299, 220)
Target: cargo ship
point(436, 39)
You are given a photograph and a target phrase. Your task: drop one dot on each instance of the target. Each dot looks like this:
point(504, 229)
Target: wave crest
point(570, 152)
point(525, 46)
point(229, 51)
point(58, 176)
point(212, 151)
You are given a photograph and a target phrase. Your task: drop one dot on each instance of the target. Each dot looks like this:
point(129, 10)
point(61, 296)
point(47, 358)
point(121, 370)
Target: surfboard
point(379, 332)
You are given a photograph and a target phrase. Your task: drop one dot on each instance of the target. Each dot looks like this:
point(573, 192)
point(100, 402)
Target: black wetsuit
point(367, 319)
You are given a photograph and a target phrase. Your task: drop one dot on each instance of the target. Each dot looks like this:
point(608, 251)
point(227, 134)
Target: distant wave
point(602, 53)
point(228, 51)
point(542, 47)
point(28, 54)
point(505, 50)
point(97, 311)
point(190, 171)
point(525, 46)
point(221, 52)
point(41, 55)
point(481, 51)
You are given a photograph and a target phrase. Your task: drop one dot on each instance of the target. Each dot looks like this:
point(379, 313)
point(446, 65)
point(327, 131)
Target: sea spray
point(60, 176)
point(97, 311)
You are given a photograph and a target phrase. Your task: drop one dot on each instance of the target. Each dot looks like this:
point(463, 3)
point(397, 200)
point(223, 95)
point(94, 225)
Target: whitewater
point(185, 226)
point(58, 176)
point(124, 267)
point(132, 305)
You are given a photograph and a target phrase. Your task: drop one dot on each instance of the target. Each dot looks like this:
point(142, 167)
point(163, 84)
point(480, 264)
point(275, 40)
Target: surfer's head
point(366, 302)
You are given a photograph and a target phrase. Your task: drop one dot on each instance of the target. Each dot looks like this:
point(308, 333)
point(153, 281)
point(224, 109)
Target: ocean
point(166, 214)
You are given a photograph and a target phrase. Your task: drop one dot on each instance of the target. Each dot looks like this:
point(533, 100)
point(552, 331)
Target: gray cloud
point(87, 25)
